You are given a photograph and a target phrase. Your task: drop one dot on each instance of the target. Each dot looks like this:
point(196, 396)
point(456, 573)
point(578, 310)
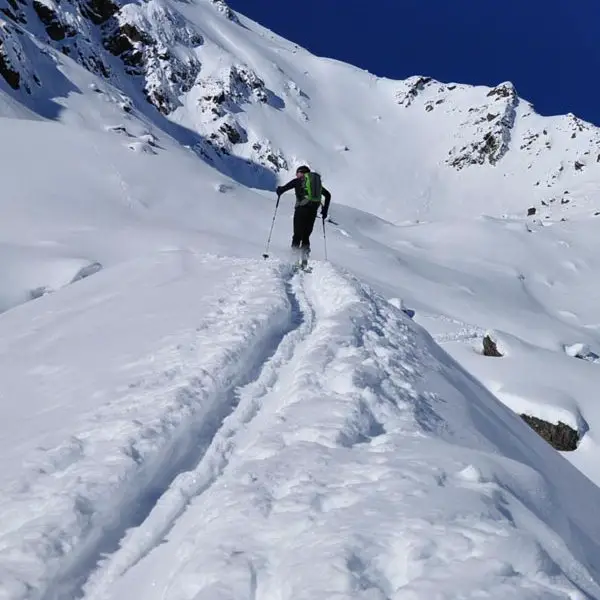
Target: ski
point(302, 265)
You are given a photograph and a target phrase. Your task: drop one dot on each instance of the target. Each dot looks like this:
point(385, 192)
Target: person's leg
point(307, 228)
point(298, 228)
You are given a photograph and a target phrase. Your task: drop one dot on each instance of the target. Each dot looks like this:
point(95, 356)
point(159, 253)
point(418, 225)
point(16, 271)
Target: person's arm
point(327, 196)
point(290, 185)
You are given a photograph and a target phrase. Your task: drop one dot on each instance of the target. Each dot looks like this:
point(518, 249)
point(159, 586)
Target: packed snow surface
point(230, 428)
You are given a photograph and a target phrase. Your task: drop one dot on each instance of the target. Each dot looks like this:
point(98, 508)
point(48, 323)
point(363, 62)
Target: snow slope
point(289, 434)
point(255, 105)
point(184, 420)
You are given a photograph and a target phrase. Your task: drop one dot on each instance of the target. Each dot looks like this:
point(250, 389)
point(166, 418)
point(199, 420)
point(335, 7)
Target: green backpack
point(312, 187)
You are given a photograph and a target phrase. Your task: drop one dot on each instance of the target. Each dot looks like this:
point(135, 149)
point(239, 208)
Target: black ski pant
point(304, 221)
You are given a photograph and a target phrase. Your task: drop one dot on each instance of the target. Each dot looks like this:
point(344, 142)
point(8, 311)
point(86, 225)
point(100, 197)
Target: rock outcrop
point(491, 128)
point(560, 436)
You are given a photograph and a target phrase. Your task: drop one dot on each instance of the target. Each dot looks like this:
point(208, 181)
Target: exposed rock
point(127, 42)
point(265, 155)
point(39, 292)
point(125, 104)
point(157, 46)
point(489, 347)
point(54, 28)
point(8, 13)
point(141, 148)
point(582, 352)
point(149, 139)
point(224, 188)
point(559, 436)
point(529, 139)
point(505, 90)
point(96, 65)
point(235, 133)
point(142, 38)
point(492, 136)
point(99, 11)
point(169, 81)
point(224, 8)
point(11, 76)
point(119, 129)
point(14, 12)
point(579, 165)
point(121, 45)
point(87, 271)
point(15, 61)
point(576, 123)
point(415, 85)
point(223, 95)
point(135, 35)
point(531, 211)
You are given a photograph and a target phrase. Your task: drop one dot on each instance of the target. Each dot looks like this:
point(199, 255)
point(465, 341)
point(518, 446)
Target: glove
point(279, 190)
point(324, 213)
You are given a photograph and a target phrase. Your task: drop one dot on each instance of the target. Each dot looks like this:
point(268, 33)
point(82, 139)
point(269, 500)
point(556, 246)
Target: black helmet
point(303, 169)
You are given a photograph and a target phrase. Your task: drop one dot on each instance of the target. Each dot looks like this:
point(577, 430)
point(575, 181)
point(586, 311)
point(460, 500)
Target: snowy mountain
point(184, 420)
point(253, 96)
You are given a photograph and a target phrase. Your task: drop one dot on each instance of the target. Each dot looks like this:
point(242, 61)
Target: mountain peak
point(236, 100)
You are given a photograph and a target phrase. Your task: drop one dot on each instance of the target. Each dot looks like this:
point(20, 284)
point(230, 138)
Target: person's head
point(301, 171)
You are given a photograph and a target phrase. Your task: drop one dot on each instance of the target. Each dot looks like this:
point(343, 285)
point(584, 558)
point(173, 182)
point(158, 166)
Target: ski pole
point(324, 239)
point(266, 253)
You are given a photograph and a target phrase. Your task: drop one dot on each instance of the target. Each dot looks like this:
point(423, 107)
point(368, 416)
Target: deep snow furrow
point(185, 450)
point(204, 464)
point(314, 400)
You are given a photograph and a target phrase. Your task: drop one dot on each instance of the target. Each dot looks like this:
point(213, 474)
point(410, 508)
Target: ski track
point(212, 459)
point(318, 363)
point(66, 546)
point(264, 501)
point(146, 516)
point(286, 505)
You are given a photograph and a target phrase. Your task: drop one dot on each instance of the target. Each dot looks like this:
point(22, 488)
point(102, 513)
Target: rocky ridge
point(153, 48)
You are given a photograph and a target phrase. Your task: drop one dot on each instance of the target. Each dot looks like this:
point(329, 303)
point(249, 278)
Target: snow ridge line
point(185, 450)
point(212, 462)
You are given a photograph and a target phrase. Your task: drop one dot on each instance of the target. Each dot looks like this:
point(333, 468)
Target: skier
point(308, 188)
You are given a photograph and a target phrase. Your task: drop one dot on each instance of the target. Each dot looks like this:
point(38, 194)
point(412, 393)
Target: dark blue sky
point(550, 49)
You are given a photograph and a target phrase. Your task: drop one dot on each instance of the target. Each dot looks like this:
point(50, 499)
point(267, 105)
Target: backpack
point(312, 187)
